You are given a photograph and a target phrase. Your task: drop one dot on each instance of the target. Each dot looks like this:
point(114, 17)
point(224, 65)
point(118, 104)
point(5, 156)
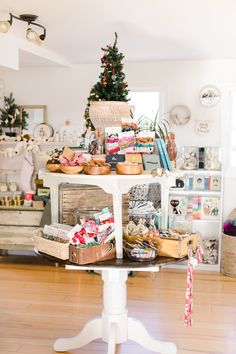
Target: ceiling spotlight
point(4, 26)
point(31, 35)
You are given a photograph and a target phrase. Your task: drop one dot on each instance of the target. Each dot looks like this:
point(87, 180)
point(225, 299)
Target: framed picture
point(215, 183)
point(198, 182)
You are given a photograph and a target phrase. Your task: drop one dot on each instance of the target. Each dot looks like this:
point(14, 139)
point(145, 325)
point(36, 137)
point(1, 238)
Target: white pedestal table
point(114, 326)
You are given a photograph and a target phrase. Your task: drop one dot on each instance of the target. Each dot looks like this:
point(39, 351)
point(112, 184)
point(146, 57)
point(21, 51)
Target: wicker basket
point(108, 113)
point(228, 255)
point(92, 254)
point(52, 248)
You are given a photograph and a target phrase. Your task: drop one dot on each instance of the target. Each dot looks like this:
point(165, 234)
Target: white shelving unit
point(208, 228)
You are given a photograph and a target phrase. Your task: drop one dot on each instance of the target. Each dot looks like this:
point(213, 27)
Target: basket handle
point(190, 244)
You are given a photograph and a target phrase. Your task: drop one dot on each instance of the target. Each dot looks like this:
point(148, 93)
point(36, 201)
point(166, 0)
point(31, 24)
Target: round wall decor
point(180, 115)
point(43, 131)
point(209, 96)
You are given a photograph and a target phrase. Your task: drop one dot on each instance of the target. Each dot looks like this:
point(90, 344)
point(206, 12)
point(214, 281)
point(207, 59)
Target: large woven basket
point(228, 255)
point(108, 113)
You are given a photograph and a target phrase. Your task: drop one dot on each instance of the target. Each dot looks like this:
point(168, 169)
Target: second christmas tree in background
point(11, 116)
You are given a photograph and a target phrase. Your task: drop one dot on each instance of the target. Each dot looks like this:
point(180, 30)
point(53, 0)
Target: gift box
point(151, 162)
point(135, 158)
point(91, 254)
point(114, 159)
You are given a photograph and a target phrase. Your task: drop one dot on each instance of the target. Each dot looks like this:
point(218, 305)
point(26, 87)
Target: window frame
point(162, 96)
point(227, 125)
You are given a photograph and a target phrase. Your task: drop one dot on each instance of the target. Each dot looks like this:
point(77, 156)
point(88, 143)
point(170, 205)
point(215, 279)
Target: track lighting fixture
point(31, 35)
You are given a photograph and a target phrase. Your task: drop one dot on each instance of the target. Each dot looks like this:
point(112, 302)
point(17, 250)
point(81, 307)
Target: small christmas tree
point(11, 116)
point(112, 85)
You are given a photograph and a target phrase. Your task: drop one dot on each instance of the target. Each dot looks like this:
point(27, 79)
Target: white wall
point(65, 90)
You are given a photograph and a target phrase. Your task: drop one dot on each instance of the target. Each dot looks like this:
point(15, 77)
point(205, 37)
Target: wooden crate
point(17, 227)
point(92, 254)
point(177, 248)
point(85, 197)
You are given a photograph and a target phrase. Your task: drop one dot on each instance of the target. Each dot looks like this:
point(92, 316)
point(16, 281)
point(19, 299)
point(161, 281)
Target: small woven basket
point(108, 113)
point(52, 248)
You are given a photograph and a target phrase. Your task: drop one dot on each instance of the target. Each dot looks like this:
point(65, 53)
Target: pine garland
point(111, 85)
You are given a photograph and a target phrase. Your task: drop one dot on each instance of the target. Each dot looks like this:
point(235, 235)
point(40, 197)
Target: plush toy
point(230, 227)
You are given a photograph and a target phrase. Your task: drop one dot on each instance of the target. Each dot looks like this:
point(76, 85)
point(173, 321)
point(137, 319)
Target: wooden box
point(18, 225)
point(92, 254)
point(177, 248)
point(74, 197)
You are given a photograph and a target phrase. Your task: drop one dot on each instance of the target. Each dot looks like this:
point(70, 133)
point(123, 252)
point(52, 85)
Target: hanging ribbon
point(194, 258)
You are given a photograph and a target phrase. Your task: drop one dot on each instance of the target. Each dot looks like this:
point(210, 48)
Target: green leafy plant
point(161, 127)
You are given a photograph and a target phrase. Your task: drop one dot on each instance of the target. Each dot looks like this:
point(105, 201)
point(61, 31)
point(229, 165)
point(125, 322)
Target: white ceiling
point(147, 29)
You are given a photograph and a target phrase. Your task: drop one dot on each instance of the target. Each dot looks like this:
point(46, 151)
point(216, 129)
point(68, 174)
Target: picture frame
point(215, 183)
point(37, 114)
point(198, 182)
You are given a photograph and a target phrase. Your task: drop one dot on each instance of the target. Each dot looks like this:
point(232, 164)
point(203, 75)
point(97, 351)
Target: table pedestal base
point(114, 327)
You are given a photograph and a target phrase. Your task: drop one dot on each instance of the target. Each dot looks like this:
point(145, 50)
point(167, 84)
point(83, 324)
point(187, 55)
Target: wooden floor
point(39, 303)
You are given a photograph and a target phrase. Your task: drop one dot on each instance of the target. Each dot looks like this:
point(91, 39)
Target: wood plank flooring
point(40, 303)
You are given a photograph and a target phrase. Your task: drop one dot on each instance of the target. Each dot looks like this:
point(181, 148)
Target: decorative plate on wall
point(180, 115)
point(209, 96)
point(43, 131)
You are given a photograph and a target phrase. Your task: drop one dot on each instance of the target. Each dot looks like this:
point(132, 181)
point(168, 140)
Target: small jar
point(212, 158)
point(188, 158)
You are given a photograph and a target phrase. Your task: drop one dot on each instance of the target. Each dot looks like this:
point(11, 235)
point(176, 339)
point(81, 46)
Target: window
point(229, 129)
point(146, 103)
point(232, 157)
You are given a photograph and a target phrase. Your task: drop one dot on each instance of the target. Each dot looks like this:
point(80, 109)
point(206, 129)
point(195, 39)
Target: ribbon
point(194, 258)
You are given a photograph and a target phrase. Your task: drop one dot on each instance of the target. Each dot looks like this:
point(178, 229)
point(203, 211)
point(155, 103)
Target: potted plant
point(108, 98)
point(12, 117)
point(161, 127)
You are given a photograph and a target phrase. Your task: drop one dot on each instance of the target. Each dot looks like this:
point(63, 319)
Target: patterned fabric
point(194, 258)
point(139, 192)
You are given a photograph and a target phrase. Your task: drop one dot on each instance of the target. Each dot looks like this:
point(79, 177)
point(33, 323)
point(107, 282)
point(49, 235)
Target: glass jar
point(188, 158)
point(83, 213)
point(212, 159)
